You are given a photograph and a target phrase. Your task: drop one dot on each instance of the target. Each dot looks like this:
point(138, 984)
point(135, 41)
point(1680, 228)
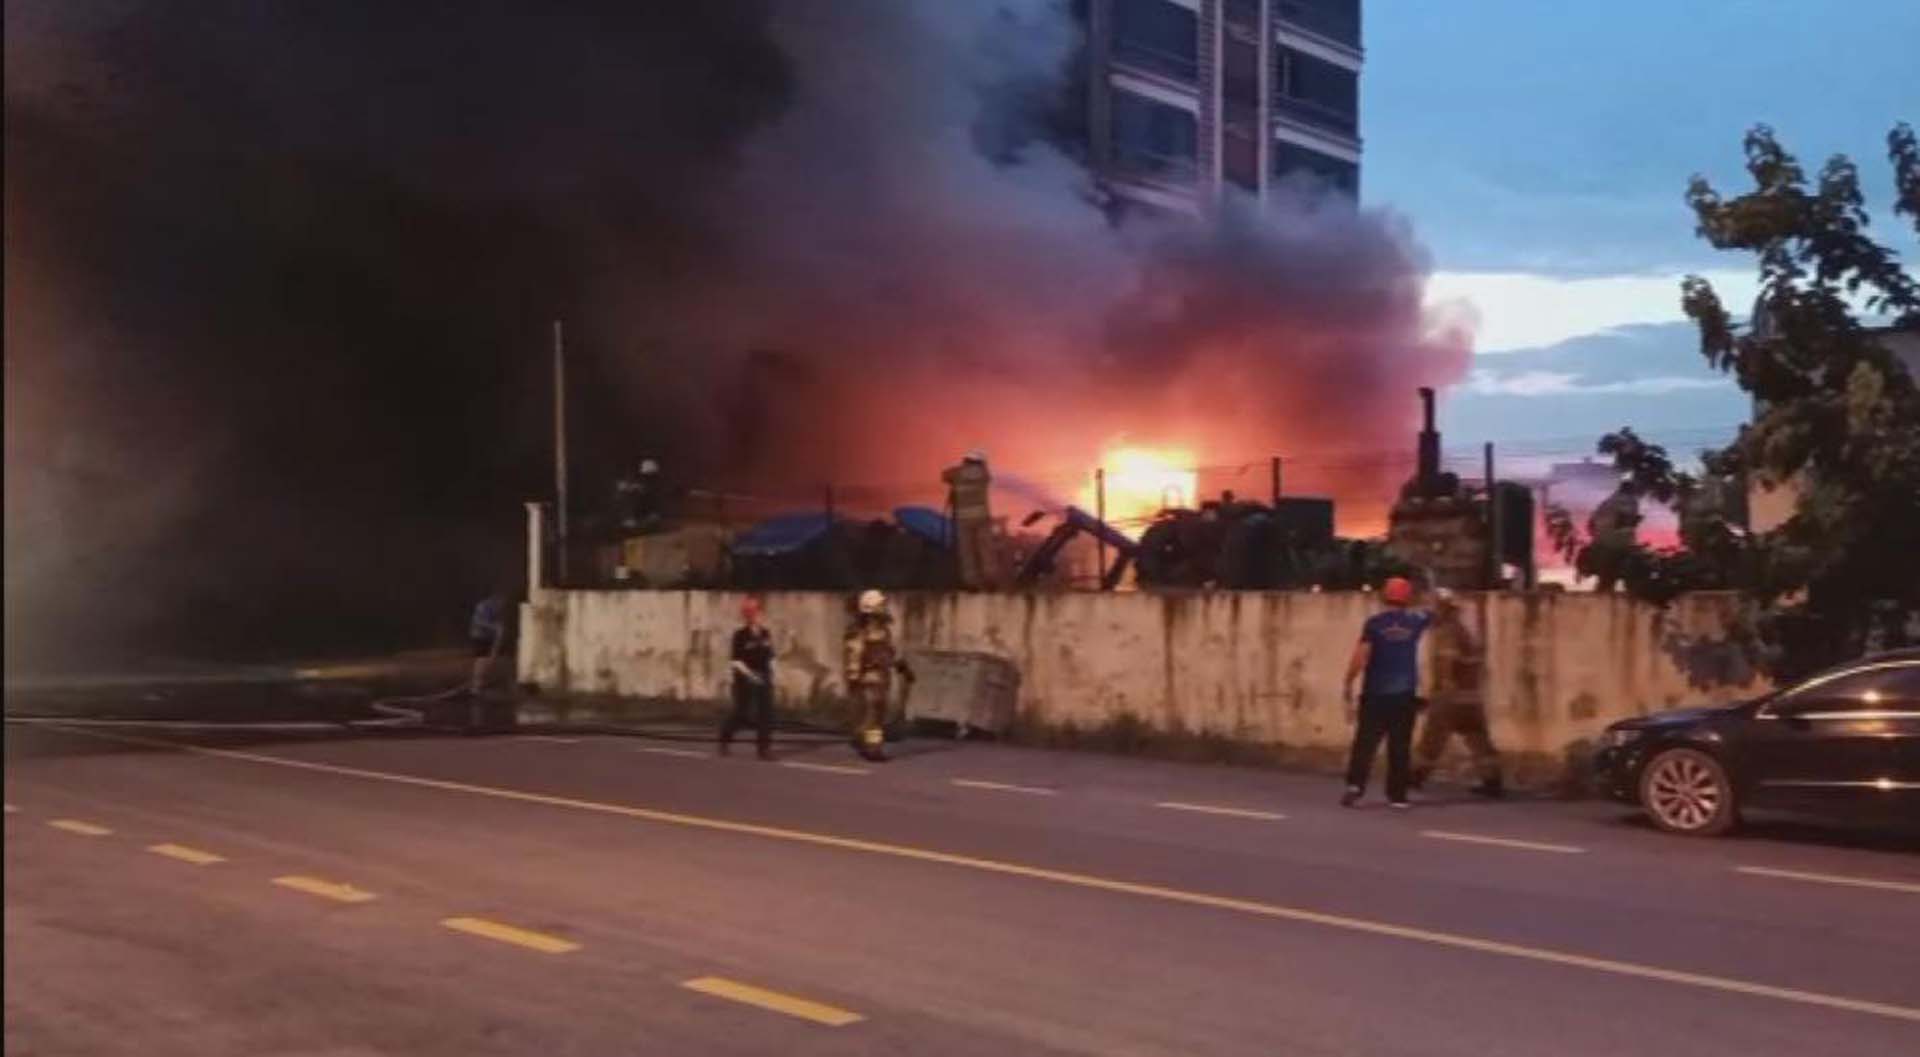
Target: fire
point(1140, 482)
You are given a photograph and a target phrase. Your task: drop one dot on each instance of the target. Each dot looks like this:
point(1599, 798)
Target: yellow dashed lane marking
point(685, 754)
point(1501, 842)
point(344, 893)
point(1004, 787)
point(1828, 878)
point(1214, 809)
point(548, 737)
point(493, 930)
point(85, 829)
point(827, 768)
point(817, 1012)
point(1092, 882)
point(185, 854)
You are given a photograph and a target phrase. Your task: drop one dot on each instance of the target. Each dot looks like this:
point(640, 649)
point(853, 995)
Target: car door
point(1845, 740)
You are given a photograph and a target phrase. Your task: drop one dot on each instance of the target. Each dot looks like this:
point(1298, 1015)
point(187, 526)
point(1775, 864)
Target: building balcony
point(1317, 116)
point(1333, 23)
point(1158, 170)
point(1149, 61)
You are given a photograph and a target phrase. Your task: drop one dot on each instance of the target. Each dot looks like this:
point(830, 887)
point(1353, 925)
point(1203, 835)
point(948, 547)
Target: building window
point(1303, 166)
point(1315, 91)
point(1337, 20)
point(1157, 36)
point(1153, 140)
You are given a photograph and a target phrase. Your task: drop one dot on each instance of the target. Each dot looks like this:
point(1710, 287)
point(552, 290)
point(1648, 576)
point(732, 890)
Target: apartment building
point(1193, 97)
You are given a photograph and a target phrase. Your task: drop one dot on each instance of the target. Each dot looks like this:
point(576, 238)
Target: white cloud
point(1522, 310)
point(1567, 383)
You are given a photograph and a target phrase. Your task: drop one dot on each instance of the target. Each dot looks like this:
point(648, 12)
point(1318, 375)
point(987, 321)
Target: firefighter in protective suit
point(871, 663)
point(1458, 703)
point(968, 484)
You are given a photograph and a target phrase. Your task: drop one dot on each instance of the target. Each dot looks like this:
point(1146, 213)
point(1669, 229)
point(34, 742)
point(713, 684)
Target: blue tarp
point(781, 535)
point(925, 522)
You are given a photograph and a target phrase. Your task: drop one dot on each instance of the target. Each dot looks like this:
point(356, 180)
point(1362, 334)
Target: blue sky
point(1542, 151)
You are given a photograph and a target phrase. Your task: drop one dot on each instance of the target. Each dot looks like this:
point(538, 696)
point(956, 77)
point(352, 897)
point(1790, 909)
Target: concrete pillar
point(536, 547)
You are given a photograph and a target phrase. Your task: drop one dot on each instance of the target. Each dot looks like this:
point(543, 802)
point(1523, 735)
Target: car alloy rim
point(1684, 792)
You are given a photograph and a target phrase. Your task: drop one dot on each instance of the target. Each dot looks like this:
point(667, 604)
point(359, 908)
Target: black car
point(1843, 743)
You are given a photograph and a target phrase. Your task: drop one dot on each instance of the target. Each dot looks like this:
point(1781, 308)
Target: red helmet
point(1397, 591)
point(750, 608)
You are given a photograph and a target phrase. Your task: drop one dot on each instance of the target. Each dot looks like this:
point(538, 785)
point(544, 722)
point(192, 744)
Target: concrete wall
point(1260, 667)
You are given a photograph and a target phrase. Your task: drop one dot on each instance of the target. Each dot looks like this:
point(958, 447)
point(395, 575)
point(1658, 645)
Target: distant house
point(1768, 508)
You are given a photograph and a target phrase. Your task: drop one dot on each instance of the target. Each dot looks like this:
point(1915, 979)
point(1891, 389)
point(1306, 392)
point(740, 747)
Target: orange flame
point(1141, 482)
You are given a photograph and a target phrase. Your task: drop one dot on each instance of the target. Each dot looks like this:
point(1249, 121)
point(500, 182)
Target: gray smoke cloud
point(277, 321)
point(932, 273)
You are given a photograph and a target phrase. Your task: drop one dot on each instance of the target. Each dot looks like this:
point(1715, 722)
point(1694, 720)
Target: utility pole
point(560, 447)
point(1496, 561)
point(1276, 482)
point(1100, 512)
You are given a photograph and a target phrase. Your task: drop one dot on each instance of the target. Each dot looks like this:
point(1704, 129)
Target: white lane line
point(1502, 842)
point(11, 810)
point(1003, 787)
point(825, 768)
point(685, 754)
point(548, 737)
point(1091, 882)
point(1215, 809)
point(1828, 878)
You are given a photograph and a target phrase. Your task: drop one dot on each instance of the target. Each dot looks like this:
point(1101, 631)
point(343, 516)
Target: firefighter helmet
point(872, 602)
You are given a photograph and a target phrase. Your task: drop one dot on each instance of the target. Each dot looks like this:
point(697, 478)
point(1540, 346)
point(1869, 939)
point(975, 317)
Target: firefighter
point(967, 484)
point(1457, 701)
point(871, 663)
point(638, 499)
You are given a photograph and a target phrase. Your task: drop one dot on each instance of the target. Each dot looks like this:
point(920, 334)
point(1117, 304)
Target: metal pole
point(1496, 563)
point(1276, 482)
point(1100, 512)
point(829, 496)
point(560, 447)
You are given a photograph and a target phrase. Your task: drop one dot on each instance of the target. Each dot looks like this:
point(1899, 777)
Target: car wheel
point(1687, 791)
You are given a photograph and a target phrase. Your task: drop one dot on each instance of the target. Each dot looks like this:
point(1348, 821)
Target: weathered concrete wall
point(1259, 667)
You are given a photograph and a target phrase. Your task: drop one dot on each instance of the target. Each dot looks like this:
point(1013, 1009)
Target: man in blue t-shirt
point(1388, 654)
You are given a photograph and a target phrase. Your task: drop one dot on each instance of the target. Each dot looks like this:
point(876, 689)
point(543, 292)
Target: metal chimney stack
point(1429, 470)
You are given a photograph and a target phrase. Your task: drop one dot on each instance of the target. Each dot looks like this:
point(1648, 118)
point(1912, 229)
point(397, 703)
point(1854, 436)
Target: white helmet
point(649, 466)
point(976, 455)
point(872, 602)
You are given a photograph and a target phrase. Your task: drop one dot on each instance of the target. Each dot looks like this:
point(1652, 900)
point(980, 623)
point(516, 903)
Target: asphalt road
point(388, 894)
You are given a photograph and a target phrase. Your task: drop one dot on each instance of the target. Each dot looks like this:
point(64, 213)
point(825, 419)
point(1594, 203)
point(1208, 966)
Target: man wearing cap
point(968, 484)
point(1388, 655)
point(752, 670)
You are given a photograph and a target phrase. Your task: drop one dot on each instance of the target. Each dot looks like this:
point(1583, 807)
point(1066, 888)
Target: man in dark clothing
point(486, 637)
point(1388, 653)
point(752, 669)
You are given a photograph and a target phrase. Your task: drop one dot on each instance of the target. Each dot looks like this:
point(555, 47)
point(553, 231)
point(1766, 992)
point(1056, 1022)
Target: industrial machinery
point(1455, 536)
point(1074, 522)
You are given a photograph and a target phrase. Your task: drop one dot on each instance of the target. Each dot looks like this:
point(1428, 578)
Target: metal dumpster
point(972, 691)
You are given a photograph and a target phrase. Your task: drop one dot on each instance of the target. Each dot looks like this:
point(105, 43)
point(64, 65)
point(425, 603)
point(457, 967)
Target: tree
point(1837, 421)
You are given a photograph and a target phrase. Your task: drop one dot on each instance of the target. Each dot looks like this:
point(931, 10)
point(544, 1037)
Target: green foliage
point(1838, 418)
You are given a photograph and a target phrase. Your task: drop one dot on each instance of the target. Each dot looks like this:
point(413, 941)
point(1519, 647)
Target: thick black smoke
point(278, 284)
point(279, 279)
